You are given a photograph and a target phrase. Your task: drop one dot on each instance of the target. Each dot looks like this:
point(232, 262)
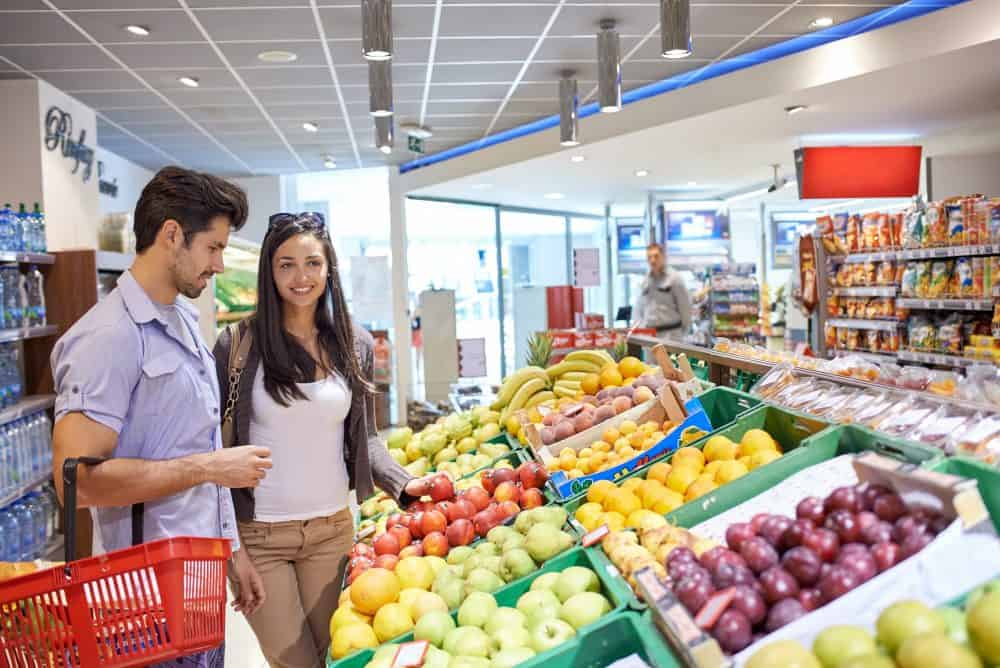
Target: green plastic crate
point(614, 637)
point(613, 587)
point(987, 477)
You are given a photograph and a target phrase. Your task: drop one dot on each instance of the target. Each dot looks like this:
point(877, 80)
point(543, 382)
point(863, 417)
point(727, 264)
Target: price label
point(595, 536)
point(410, 654)
point(366, 532)
point(941, 252)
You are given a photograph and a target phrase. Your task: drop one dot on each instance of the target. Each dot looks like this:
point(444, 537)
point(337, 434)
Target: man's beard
point(188, 288)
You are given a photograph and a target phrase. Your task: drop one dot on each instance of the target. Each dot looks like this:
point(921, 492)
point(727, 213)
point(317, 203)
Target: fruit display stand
point(612, 587)
point(987, 477)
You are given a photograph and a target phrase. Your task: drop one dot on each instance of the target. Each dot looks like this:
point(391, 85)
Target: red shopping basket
point(133, 607)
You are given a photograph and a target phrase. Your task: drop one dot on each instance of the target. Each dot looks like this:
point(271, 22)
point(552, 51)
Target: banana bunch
point(568, 375)
point(524, 388)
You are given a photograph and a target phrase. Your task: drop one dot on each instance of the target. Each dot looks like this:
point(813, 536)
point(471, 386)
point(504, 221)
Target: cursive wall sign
point(58, 136)
point(109, 188)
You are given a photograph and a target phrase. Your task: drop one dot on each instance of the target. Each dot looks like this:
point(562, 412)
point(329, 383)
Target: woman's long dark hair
point(285, 361)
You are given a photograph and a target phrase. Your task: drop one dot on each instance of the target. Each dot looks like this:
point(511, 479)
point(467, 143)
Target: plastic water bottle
point(48, 503)
point(40, 245)
point(26, 537)
point(40, 514)
point(6, 466)
point(7, 221)
point(10, 527)
point(34, 290)
point(13, 297)
point(20, 224)
point(45, 424)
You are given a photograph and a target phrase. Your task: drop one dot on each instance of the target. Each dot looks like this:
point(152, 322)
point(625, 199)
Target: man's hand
point(239, 467)
point(250, 594)
point(421, 486)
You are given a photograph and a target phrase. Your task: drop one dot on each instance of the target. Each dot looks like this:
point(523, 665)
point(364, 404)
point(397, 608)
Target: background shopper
point(134, 380)
point(664, 303)
point(306, 393)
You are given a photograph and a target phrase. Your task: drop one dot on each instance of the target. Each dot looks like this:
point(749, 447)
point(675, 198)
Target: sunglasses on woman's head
point(308, 219)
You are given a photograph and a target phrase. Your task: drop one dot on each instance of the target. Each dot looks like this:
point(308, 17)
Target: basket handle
point(70, 466)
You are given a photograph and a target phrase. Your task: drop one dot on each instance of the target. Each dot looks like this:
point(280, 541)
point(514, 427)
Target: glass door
point(590, 233)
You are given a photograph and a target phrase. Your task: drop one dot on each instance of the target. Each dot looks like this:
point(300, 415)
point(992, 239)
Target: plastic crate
point(614, 637)
point(987, 477)
point(613, 587)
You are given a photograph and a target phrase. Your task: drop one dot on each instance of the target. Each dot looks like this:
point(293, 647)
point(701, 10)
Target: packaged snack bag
point(964, 284)
point(940, 279)
point(869, 232)
point(886, 273)
point(978, 290)
point(923, 270)
point(842, 338)
point(830, 334)
point(854, 234)
point(956, 224)
point(923, 335)
point(900, 268)
point(824, 227)
point(994, 220)
point(937, 226)
point(884, 231)
point(853, 339)
point(845, 273)
point(840, 233)
point(833, 306)
point(872, 340)
point(909, 280)
point(987, 276)
point(950, 336)
point(890, 341)
point(977, 222)
point(914, 229)
point(897, 229)
point(870, 274)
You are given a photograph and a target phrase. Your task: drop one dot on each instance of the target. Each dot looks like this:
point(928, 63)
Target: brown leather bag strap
point(238, 352)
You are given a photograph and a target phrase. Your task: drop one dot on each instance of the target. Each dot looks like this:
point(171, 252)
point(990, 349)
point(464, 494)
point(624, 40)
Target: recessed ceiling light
point(795, 108)
point(821, 22)
point(141, 31)
point(642, 172)
point(554, 196)
point(386, 149)
point(277, 56)
point(309, 126)
point(190, 82)
point(329, 162)
point(692, 184)
point(577, 158)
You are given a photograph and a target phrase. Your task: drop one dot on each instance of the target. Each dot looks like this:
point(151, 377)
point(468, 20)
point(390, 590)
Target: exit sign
point(416, 144)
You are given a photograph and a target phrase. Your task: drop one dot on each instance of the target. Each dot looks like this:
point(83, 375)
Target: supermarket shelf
point(936, 359)
point(8, 335)
point(27, 406)
point(921, 253)
point(111, 261)
point(851, 323)
point(948, 304)
point(879, 358)
point(56, 549)
point(27, 258)
point(872, 291)
point(29, 486)
point(996, 291)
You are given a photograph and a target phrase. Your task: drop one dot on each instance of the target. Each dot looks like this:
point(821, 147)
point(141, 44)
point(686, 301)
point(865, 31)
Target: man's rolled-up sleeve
point(95, 372)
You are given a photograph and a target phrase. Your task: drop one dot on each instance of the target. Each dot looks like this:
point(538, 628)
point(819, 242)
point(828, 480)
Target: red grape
point(783, 613)
point(737, 534)
point(823, 542)
point(843, 498)
point(693, 593)
point(810, 599)
point(795, 533)
point(773, 529)
point(803, 564)
point(871, 493)
point(906, 526)
point(729, 575)
point(811, 508)
point(913, 544)
point(750, 602)
point(758, 554)
point(732, 631)
point(886, 555)
point(778, 585)
point(837, 582)
point(844, 524)
point(861, 563)
point(880, 532)
point(681, 569)
point(889, 507)
point(758, 520)
point(681, 554)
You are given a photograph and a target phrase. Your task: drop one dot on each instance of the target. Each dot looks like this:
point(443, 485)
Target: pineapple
point(539, 350)
point(620, 350)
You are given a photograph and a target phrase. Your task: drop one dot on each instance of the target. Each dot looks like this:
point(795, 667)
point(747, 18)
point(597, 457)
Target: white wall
point(20, 137)
point(953, 175)
point(266, 196)
point(72, 207)
point(130, 177)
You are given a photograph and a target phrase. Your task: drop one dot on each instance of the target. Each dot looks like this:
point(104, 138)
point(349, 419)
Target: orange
point(667, 501)
point(637, 439)
point(659, 472)
point(591, 383)
point(598, 491)
point(681, 477)
point(622, 502)
point(699, 488)
point(611, 435)
point(373, 589)
point(610, 377)
point(631, 367)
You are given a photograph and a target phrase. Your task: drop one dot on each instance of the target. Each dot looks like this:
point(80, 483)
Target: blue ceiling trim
point(863, 24)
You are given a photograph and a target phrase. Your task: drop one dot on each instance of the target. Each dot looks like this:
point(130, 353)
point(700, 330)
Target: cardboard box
point(605, 338)
point(583, 339)
point(561, 338)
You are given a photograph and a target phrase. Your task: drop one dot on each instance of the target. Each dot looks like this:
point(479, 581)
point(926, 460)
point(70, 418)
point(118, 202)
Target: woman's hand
point(250, 595)
point(418, 487)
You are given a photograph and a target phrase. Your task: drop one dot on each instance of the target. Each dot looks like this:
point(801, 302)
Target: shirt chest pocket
point(168, 387)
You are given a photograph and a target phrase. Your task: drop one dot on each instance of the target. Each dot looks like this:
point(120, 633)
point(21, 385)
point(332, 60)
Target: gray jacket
point(663, 303)
point(367, 458)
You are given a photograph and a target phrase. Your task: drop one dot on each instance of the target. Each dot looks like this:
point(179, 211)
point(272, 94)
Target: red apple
point(387, 543)
point(362, 550)
point(433, 521)
point(415, 524)
point(387, 561)
point(508, 509)
point(532, 498)
point(460, 532)
point(414, 550)
point(507, 491)
point(478, 496)
point(393, 520)
point(466, 508)
point(435, 544)
point(488, 481)
point(441, 487)
point(366, 562)
point(402, 534)
point(532, 475)
point(504, 475)
point(484, 521)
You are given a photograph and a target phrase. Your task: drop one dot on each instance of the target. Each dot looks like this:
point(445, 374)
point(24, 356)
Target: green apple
point(904, 619)
point(468, 641)
point(516, 564)
point(983, 620)
point(477, 609)
point(514, 636)
point(472, 563)
point(980, 591)
point(488, 548)
point(458, 554)
point(468, 662)
point(835, 645)
point(513, 542)
point(493, 565)
point(467, 445)
point(433, 627)
point(543, 542)
point(436, 658)
point(538, 606)
point(954, 621)
point(545, 581)
point(584, 608)
point(550, 633)
point(504, 619)
point(483, 580)
point(510, 657)
point(451, 589)
point(500, 534)
point(934, 650)
point(574, 580)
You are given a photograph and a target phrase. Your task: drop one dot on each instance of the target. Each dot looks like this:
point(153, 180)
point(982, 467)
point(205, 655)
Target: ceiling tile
point(172, 26)
point(278, 24)
point(37, 28)
point(245, 3)
point(526, 21)
point(458, 107)
point(540, 108)
point(263, 77)
point(304, 96)
point(245, 54)
point(407, 21)
point(136, 98)
point(722, 20)
point(457, 121)
point(656, 70)
point(550, 72)
point(159, 113)
point(412, 51)
point(797, 20)
point(705, 48)
point(473, 91)
point(249, 126)
point(584, 20)
point(148, 129)
point(166, 55)
point(70, 5)
point(450, 50)
point(201, 96)
point(444, 73)
point(323, 113)
point(360, 109)
point(543, 89)
point(568, 49)
point(57, 57)
point(223, 112)
point(81, 80)
point(25, 5)
point(216, 78)
point(358, 74)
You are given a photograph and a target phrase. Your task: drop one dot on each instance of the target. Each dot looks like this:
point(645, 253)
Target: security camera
point(778, 182)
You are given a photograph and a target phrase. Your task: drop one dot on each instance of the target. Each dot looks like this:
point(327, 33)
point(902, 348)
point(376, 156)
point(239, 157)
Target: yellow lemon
point(648, 443)
point(648, 427)
point(720, 447)
point(611, 435)
point(621, 444)
point(764, 457)
point(745, 460)
point(628, 427)
point(597, 492)
point(346, 614)
point(622, 502)
point(730, 471)
point(681, 477)
point(757, 440)
point(632, 484)
point(657, 436)
point(553, 465)
point(565, 452)
point(615, 521)
point(666, 501)
point(567, 460)
point(585, 453)
point(634, 520)
point(584, 464)
point(659, 472)
point(636, 440)
point(689, 457)
point(350, 638)
point(588, 514)
point(591, 383)
point(699, 488)
point(645, 489)
point(631, 367)
point(602, 446)
point(627, 454)
point(573, 474)
point(712, 467)
point(610, 376)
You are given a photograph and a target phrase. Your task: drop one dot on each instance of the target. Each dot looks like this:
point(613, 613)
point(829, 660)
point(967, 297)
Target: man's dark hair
point(192, 199)
point(654, 246)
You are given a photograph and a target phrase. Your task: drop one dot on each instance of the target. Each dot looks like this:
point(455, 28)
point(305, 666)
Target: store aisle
point(242, 649)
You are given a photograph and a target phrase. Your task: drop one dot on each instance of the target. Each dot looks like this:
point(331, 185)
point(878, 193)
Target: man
point(664, 303)
point(135, 383)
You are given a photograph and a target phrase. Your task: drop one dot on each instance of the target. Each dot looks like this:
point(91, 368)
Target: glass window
point(590, 233)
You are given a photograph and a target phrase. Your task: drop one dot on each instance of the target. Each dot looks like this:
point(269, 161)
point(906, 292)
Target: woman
point(306, 393)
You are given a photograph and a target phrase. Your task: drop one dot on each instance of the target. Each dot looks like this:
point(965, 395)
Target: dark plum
point(804, 565)
point(913, 544)
point(811, 508)
point(886, 555)
point(784, 613)
point(737, 534)
point(751, 603)
point(810, 599)
point(778, 585)
point(843, 498)
point(728, 575)
point(733, 631)
point(710, 559)
point(880, 532)
point(871, 493)
point(862, 564)
point(845, 524)
point(889, 507)
point(758, 554)
point(681, 554)
point(774, 528)
point(837, 582)
point(824, 543)
point(795, 533)
point(758, 520)
point(693, 593)
point(679, 570)
point(906, 526)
